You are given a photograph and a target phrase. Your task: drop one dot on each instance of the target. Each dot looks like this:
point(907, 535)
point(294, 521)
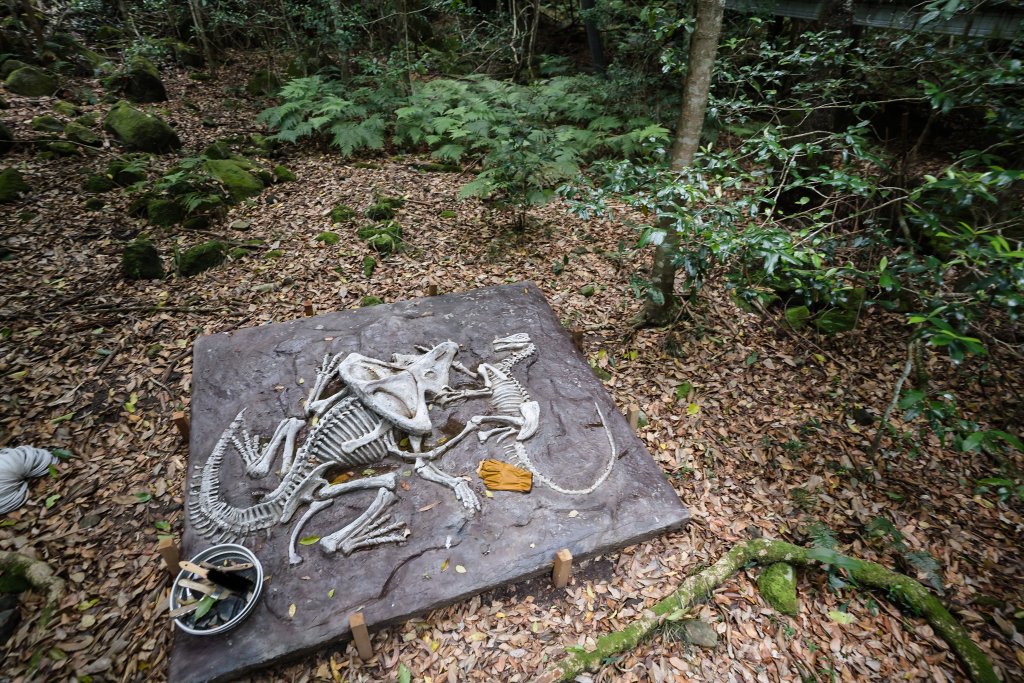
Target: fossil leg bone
point(463, 493)
point(370, 528)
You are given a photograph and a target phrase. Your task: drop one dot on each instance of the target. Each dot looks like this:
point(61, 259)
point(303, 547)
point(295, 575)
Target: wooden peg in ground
point(180, 421)
point(562, 570)
point(361, 636)
point(168, 550)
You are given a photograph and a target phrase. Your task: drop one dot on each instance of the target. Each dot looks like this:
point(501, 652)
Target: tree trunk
point(660, 310)
point(594, 38)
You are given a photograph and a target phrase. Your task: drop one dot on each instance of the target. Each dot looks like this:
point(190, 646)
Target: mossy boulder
point(371, 300)
point(94, 204)
point(836, 320)
point(82, 135)
point(65, 108)
point(798, 316)
point(140, 82)
point(88, 120)
point(777, 584)
point(217, 150)
point(47, 124)
point(9, 66)
point(30, 81)
point(125, 172)
point(237, 181)
point(202, 257)
point(141, 261)
point(165, 212)
point(282, 174)
point(64, 149)
point(263, 82)
point(12, 184)
point(185, 54)
point(6, 139)
point(140, 131)
point(97, 183)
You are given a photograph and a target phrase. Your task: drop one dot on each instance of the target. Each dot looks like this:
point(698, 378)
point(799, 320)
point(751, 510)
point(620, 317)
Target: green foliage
point(528, 138)
point(329, 238)
point(922, 561)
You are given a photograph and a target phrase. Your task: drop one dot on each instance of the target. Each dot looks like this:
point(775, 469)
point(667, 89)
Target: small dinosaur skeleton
point(517, 412)
point(354, 428)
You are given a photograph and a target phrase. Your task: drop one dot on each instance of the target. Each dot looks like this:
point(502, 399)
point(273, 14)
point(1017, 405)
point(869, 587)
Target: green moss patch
point(342, 214)
point(237, 181)
point(202, 257)
point(140, 260)
point(777, 584)
point(12, 185)
point(328, 237)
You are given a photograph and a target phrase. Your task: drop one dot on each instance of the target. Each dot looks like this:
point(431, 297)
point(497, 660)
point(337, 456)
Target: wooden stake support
point(633, 416)
point(307, 308)
point(168, 550)
point(181, 422)
point(361, 636)
point(563, 568)
point(431, 290)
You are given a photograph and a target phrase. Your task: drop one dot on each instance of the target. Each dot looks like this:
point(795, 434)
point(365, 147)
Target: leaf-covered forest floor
point(764, 444)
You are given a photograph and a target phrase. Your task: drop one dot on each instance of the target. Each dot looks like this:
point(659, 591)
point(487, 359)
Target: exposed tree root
point(905, 590)
point(38, 575)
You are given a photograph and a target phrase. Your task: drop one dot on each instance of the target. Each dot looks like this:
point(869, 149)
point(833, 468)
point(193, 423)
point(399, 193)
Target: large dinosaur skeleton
point(353, 428)
point(356, 427)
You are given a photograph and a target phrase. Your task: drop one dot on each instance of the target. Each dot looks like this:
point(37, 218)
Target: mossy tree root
point(905, 590)
point(36, 574)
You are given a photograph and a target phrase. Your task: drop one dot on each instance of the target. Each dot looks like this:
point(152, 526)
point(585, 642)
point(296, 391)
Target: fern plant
point(922, 561)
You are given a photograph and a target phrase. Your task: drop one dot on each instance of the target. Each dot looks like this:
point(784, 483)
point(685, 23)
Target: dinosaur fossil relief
point(362, 424)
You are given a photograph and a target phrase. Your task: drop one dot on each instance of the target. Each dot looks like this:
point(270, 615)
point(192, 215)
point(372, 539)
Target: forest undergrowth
point(763, 431)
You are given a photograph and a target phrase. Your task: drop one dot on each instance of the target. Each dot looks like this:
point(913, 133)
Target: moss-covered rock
point(140, 82)
point(238, 182)
point(65, 108)
point(798, 317)
point(126, 172)
point(12, 184)
point(97, 183)
point(185, 54)
point(217, 150)
point(282, 174)
point(371, 300)
point(88, 120)
point(262, 142)
point(263, 82)
point(94, 204)
point(47, 124)
point(9, 66)
point(202, 257)
point(165, 212)
point(140, 131)
point(836, 320)
point(82, 135)
point(6, 139)
point(108, 34)
point(588, 290)
point(777, 584)
point(329, 238)
point(64, 149)
point(141, 261)
point(30, 81)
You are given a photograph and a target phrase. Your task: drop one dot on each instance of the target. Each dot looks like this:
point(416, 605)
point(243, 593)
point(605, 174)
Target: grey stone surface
point(513, 537)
